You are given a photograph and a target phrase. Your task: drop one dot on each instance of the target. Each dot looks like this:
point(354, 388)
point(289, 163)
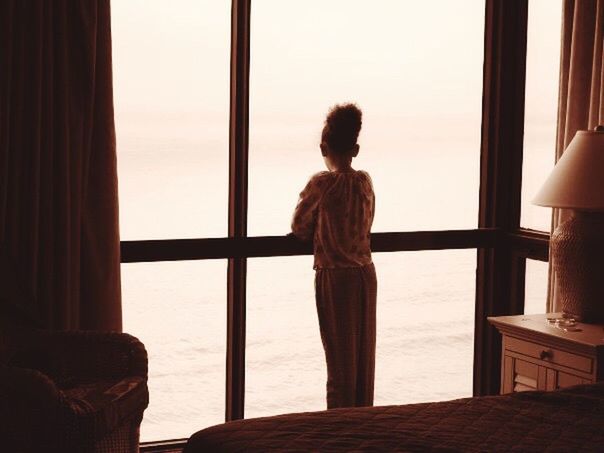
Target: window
point(173, 153)
point(421, 97)
point(172, 128)
point(285, 364)
point(425, 317)
point(172, 148)
point(177, 310)
point(535, 299)
point(421, 119)
point(425, 327)
point(542, 63)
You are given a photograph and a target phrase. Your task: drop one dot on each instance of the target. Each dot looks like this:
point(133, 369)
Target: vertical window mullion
point(238, 198)
point(499, 282)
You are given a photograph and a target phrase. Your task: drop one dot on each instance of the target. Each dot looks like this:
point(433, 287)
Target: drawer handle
point(545, 354)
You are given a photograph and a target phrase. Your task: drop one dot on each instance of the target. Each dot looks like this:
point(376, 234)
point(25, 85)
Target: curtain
point(581, 96)
point(59, 234)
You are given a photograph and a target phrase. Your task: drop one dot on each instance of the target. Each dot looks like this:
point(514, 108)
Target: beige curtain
point(581, 96)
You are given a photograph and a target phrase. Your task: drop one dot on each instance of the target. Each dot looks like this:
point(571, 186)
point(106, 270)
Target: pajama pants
point(346, 303)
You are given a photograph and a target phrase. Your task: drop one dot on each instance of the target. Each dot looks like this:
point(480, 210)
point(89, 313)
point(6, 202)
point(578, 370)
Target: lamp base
point(578, 261)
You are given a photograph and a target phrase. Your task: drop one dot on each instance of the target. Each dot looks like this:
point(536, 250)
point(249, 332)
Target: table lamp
point(577, 245)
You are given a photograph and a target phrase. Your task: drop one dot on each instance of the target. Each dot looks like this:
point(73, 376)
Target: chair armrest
point(88, 354)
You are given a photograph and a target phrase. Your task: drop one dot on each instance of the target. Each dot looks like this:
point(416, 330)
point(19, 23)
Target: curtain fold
point(581, 95)
point(58, 181)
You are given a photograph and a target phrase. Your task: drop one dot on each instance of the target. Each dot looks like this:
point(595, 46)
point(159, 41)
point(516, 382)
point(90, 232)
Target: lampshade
point(577, 180)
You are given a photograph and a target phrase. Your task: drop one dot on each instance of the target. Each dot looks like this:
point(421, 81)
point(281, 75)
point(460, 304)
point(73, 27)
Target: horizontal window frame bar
point(530, 244)
point(266, 246)
point(162, 445)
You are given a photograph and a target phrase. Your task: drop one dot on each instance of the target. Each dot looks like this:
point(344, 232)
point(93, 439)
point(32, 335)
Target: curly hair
point(342, 127)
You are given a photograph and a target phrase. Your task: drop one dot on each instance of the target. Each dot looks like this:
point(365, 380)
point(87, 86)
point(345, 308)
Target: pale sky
point(385, 53)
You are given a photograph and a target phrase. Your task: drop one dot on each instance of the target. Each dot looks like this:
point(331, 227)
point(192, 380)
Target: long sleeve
point(305, 214)
point(372, 199)
point(335, 211)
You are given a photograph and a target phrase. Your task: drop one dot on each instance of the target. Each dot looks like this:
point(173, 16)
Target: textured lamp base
point(578, 260)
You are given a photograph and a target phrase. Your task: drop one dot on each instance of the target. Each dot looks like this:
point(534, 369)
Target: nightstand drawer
point(536, 356)
point(549, 354)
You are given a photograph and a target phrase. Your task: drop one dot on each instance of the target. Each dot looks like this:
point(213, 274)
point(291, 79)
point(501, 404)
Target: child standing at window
point(335, 211)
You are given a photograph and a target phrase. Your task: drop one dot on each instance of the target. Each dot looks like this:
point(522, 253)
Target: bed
point(565, 420)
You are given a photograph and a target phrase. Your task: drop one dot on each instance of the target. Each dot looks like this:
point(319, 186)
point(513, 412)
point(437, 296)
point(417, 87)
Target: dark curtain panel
point(58, 184)
point(581, 98)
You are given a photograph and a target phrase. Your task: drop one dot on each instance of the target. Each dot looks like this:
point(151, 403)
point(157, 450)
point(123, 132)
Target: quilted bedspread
point(570, 420)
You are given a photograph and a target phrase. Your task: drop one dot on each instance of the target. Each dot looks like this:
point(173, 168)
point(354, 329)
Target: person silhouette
point(335, 210)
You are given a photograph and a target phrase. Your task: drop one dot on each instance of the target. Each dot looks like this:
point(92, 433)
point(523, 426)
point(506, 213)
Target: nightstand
point(538, 356)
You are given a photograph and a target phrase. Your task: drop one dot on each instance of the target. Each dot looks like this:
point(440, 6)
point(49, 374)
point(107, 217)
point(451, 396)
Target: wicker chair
point(71, 391)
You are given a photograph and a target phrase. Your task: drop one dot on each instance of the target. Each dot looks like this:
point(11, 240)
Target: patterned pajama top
point(336, 211)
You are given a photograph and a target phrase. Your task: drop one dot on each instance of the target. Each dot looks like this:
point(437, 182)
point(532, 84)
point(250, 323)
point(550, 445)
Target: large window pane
point(285, 364)
point(424, 331)
point(535, 294)
point(171, 90)
point(416, 74)
point(541, 108)
point(177, 309)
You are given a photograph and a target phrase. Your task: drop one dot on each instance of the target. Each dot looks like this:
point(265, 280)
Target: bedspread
point(564, 420)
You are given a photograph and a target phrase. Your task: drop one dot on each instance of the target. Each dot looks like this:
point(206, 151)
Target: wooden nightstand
point(538, 356)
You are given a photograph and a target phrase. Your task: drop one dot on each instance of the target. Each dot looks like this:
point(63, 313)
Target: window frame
point(502, 245)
